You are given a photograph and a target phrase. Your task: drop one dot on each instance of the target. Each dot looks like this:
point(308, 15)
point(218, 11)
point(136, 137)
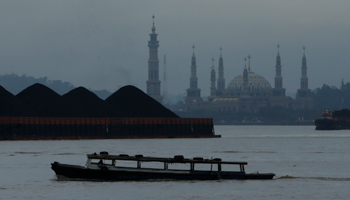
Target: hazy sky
point(103, 44)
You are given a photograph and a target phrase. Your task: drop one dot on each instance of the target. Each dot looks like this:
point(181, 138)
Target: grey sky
point(103, 44)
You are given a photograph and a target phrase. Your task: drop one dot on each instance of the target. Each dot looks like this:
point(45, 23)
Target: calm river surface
point(308, 164)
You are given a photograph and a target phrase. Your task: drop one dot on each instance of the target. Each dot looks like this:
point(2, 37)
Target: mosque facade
point(247, 92)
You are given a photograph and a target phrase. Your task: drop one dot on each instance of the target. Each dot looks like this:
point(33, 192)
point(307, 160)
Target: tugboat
point(336, 120)
point(124, 167)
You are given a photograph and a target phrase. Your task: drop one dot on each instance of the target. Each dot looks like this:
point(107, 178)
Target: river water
point(308, 164)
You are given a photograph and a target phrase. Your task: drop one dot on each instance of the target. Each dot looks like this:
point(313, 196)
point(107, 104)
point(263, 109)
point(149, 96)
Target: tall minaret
point(212, 81)
point(245, 98)
point(304, 79)
point(304, 99)
point(342, 94)
point(278, 91)
point(249, 63)
point(221, 79)
point(193, 79)
point(153, 83)
point(193, 93)
point(245, 78)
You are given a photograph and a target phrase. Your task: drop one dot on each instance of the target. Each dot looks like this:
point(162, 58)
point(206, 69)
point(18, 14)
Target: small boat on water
point(124, 167)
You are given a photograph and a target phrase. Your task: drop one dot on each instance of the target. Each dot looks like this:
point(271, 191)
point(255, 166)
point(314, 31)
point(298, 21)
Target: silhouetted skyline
point(103, 44)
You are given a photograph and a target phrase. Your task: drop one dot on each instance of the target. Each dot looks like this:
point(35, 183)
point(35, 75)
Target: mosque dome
point(255, 83)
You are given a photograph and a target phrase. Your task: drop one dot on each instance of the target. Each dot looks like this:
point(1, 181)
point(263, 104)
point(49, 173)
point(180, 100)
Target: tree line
point(15, 84)
point(331, 97)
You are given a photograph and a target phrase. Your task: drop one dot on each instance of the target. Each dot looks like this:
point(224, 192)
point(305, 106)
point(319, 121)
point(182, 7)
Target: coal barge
point(39, 113)
point(336, 120)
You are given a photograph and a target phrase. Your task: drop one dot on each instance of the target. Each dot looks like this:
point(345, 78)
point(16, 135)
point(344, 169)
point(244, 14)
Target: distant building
point(247, 92)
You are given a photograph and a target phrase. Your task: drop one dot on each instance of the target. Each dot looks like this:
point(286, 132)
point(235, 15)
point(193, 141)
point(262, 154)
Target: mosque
point(247, 92)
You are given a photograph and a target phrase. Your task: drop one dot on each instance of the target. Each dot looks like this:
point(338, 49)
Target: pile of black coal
point(88, 104)
point(342, 113)
point(40, 101)
point(10, 106)
point(44, 101)
point(135, 103)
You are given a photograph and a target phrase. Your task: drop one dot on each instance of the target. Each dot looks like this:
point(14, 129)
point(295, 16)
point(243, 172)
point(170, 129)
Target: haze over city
point(103, 44)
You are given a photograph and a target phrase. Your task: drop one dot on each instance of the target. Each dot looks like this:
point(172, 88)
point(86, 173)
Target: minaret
point(245, 78)
point(278, 77)
point(249, 63)
point(245, 104)
point(193, 79)
point(153, 83)
point(221, 79)
point(342, 94)
point(212, 81)
point(304, 99)
point(304, 79)
point(193, 93)
point(278, 91)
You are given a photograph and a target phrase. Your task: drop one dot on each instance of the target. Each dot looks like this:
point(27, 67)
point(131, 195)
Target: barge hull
point(332, 124)
point(35, 128)
point(79, 172)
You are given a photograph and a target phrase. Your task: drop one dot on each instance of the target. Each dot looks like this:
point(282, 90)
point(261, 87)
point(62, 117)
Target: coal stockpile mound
point(41, 101)
point(89, 104)
point(342, 113)
point(10, 106)
point(134, 103)
point(45, 102)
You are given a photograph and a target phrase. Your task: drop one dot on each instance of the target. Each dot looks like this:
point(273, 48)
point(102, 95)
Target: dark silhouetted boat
point(124, 167)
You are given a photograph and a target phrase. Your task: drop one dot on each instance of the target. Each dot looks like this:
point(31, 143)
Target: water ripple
point(244, 152)
point(23, 152)
point(315, 178)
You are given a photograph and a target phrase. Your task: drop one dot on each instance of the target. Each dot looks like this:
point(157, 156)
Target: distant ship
point(335, 120)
